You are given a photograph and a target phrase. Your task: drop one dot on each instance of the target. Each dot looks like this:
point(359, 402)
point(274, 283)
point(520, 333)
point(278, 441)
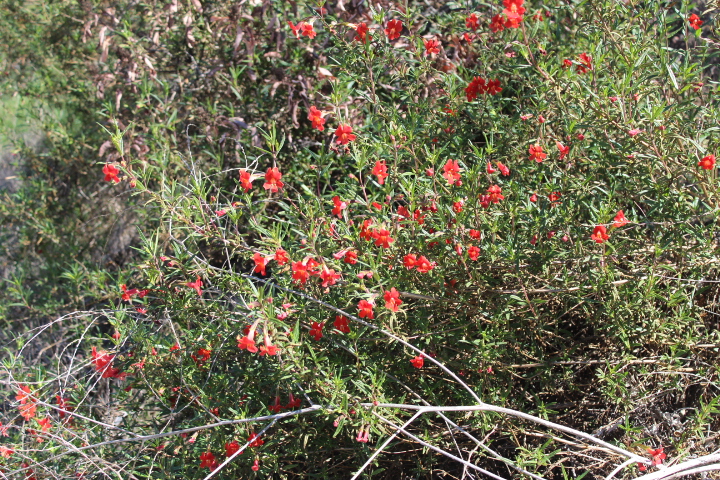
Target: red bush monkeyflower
point(567, 63)
point(344, 134)
point(392, 300)
point(554, 197)
point(393, 30)
point(103, 363)
point(329, 277)
point(707, 162)
point(341, 324)
point(475, 87)
point(474, 234)
point(316, 117)
point(351, 257)
point(307, 30)
point(207, 459)
point(382, 238)
point(536, 153)
point(458, 206)
point(380, 171)
point(202, 355)
point(301, 274)
point(494, 193)
point(296, 28)
point(424, 265)
point(490, 169)
point(695, 21)
point(514, 12)
point(197, 285)
point(365, 232)
point(619, 220)
point(585, 63)
point(275, 407)
point(247, 343)
point(293, 402)
point(473, 252)
point(260, 264)
point(255, 441)
point(409, 261)
point(533, 198)
point(418, 361)
point(246, 179)
point(231, 448)
point(339, 206)
point(493, 87)
point(316, 330)
point(431, 46)
point(472, 21)
point(281, 256)
point(600, 234)
point(365, 310)
point(451, 172)
point(563, 149)
point(272, 180)
point(504, 171)
point(362, 33)
point(497, 24)
point(111, 173)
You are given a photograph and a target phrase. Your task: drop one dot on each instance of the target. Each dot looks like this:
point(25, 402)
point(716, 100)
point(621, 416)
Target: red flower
point(707, 162)
point(246, 180)
point(497, 24)
point(533, 198)
point(231, 448)
point(296, 28)
point(418, 361)
point(268, 348)
point(362, 33)
point(365, 310)
point(536, 153)
point(382, 238)
point(339, 206)
point(514, 12)
point(111, 173)
point(272, 180)
point(365, 232)
point(554, 197)
point(600, 234)
point(197, 285)
point(431, 46)
point(207, 459)
point(619, 220)
point(351, 257)
point(472, 22)
point(380, 171)
point(344, 134)
point(281, 257)
point(275, 407)
point(474, 234)
point(307, 30)
point(695, 21)
point(494, 193)
point(329, 277)
point(473, 252)
point(300, 272)
point(316, 117)
point(247, 343)
point(451, 172)
point(424, 265)
point(490, 169)
point(475, 87)
point(255, 441)
point(103, 363)
point(394, 27)
point(410, 260)
point(563, 149)
point(493, 87)
point(457, 207)
point(203, 355)
point(419, 217)
point(316, 330)
point(293, 402)
point(392, 300)
point(585, 63)
point(504, 171)
point(567, 63)
point(341, 323)
point(260, 264)
point(23, 394)
point(634, 132)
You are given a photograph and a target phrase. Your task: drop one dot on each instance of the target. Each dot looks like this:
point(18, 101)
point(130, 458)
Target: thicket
point(283, 239)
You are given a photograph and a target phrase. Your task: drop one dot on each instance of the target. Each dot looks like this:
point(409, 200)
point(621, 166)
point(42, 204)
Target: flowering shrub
point(513, 205)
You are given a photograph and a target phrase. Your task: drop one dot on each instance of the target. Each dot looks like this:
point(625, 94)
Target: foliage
point(515, 206)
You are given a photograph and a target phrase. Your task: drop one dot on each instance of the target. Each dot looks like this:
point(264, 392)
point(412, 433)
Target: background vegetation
point(580, 287)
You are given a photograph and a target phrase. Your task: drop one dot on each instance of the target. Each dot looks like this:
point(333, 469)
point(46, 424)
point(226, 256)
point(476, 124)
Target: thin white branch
point(382, 447)
point(682, 469)
point(619, 468)
point(439, 450)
